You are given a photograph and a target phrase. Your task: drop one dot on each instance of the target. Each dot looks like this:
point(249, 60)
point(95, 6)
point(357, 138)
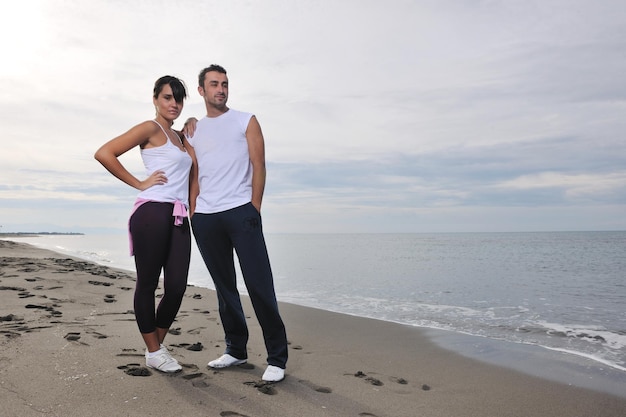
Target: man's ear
point(201, 91)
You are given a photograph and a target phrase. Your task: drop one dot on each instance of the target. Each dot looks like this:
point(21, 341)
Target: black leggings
point(159, 245)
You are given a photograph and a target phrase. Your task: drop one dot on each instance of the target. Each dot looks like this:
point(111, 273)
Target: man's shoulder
point(242, 118)
point(232, 119)
point(240, 114)
point(230, 114)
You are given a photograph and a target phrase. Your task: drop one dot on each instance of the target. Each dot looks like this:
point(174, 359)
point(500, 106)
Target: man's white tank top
point(176, 164)
point(224, 167)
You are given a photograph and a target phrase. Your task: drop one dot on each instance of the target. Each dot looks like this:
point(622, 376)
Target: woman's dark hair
point(178, 87)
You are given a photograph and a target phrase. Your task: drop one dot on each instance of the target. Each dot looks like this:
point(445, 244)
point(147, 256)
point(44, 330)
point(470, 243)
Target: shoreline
point(72, 337)
point(533, 359)
point(35, 234)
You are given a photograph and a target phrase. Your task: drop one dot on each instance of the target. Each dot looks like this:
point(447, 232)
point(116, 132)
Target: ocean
point(560, 291)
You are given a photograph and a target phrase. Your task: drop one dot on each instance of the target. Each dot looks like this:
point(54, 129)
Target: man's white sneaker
point(273, 374)
point(225, 361)
point(162, 361)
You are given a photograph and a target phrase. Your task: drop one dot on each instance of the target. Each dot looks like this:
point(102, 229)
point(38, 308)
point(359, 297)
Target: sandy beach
point(70, 347)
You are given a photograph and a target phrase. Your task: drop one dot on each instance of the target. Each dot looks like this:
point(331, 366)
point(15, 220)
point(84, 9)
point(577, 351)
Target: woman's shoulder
point(151, 131)
point(151, 125)
point(148, 127)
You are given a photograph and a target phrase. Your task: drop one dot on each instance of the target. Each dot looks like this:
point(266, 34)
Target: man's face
point(215, 89)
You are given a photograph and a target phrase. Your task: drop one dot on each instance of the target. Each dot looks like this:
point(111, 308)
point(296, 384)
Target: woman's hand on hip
point(157, 178)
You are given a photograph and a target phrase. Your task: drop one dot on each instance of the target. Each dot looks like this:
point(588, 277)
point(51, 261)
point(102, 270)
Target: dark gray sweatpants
point(217, 234)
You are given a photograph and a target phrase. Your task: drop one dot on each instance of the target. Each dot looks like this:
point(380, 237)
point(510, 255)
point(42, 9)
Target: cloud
point(378, 116)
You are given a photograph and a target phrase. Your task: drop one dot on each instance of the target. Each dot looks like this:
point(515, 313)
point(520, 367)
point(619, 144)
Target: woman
point(160, 236)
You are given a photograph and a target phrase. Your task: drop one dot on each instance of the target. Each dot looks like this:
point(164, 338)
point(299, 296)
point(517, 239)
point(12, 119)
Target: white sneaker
point(162, 361)
point(225, 361)
point(273, 374)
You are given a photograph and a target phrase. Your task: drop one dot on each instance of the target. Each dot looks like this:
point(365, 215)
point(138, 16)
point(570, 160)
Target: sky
point(379, 116)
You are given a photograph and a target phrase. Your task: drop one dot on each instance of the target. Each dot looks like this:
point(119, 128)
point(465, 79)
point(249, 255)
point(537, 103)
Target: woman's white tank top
point(176, 164)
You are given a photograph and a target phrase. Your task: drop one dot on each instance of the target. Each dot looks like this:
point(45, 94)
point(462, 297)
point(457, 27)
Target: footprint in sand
point(10, 317)
point(109, 298)
point(72, 336)
point(200, 383)
point(196, 347)
point(196, 330)
point(5, 288)
point(49, 309)
point(14, 328)
point(194, 375)
point(134, 369)
point(263, 387)
point(9, 334)
point(25, 294)
point(131, 352)
point(231, 414)
point(397, 380)
point(97, 335)
point(374, 381)
point(318, 388)
point(106, 284)
point(371, 380)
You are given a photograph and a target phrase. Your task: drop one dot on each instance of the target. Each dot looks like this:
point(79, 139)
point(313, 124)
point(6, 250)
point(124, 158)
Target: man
point(226, 192)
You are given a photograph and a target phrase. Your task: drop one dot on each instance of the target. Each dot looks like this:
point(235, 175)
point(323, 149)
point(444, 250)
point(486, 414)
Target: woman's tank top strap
point(169, 139)
point(163, 130)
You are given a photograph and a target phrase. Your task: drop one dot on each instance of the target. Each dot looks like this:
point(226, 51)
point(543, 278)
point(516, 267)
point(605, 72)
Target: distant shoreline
point(32, 234)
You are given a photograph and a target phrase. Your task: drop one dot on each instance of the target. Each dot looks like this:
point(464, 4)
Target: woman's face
point(166, 105)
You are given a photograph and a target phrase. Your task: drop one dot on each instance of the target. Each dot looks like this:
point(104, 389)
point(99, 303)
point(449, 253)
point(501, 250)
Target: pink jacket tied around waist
point(179, 213)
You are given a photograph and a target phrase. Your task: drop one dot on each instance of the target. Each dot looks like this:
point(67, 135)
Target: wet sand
point(70, 347)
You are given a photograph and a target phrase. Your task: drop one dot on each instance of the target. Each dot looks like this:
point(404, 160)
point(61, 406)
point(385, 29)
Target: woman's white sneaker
point(161, 360)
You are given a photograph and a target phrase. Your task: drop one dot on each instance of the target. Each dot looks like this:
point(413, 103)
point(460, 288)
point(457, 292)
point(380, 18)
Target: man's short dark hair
point(212, 67)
